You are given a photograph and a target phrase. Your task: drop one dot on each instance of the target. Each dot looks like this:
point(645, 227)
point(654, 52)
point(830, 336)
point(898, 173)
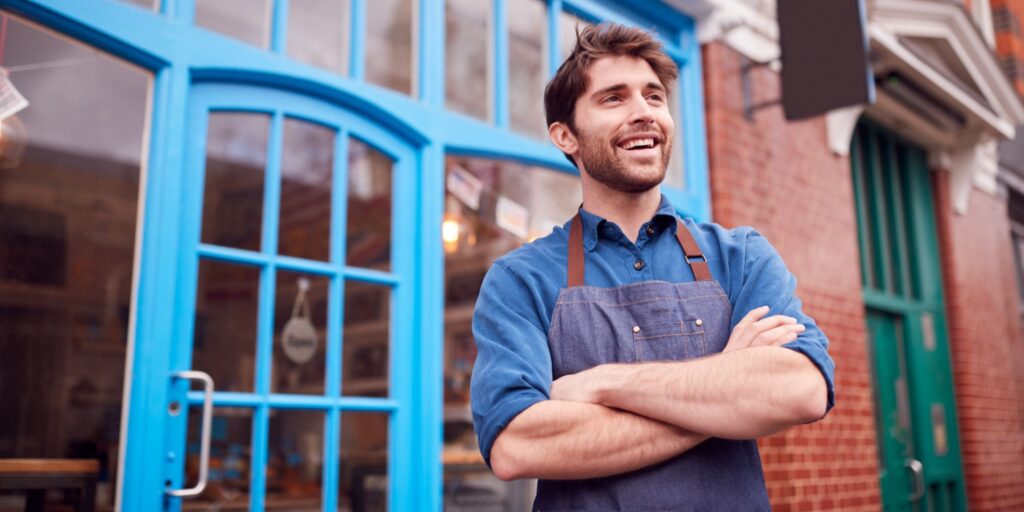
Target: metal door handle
point(204, 436)
point(917, 469)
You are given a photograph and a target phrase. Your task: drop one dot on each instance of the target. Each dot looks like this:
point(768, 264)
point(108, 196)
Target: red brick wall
point(987, 346)
point(782, 179)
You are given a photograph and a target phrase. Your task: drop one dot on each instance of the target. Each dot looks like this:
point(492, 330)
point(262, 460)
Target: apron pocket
point(669, 341)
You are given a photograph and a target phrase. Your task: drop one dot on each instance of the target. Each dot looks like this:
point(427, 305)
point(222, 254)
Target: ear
point(563, 138)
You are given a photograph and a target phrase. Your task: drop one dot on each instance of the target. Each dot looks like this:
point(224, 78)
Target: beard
point(603, 161)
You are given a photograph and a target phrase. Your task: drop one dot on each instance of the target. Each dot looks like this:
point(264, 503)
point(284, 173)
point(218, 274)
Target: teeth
point(638, 142)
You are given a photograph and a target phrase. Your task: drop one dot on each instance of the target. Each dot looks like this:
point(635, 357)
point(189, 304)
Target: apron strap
point(576, 252)
point(701, 271)
point(694, 257)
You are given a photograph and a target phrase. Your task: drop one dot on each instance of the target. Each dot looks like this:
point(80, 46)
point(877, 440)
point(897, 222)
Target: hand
point(578, 387)
point(755, 331)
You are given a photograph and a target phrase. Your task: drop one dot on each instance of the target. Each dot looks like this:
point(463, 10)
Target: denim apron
point(640, 322)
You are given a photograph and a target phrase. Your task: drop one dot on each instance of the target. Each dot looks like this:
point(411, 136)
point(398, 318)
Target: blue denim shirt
point(513, 312)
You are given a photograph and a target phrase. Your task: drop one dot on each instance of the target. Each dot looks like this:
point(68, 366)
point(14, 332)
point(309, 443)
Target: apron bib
point(642, 322)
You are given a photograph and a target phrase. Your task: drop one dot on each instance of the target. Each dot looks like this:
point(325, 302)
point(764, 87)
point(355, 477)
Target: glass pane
point(70, 168)
point(300, 333)
point(227, 299)
point(676, 177)
point(295, 461)
point(390, 60)
point(366, 340)
point(568, 24)
point(469, 77)
point(369, 207)
point(306, 162)
point(236, 156)
point(148, 4)
point(245, 20)
point(527, 25)
point(364, 461)
point(230, 454)
point(318, 33)
point(491, 207)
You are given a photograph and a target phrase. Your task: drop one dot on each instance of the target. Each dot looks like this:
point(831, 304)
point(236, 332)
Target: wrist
point(608, 383)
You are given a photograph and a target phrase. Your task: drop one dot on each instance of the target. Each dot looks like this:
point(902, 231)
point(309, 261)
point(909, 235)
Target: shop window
point(227, 304)
point(366, 362)
point(491, 208)
point(368, 235)
point(307, 159)
point(300, 333)
point(568, 24)
point(295, 460)
point(70, 168)
point(528, 70)
point(245, 20)
point(230, 456)
point(389, 48)
point(364, 459)
point(469, 71)
point(318, 33)
point(1015, 209)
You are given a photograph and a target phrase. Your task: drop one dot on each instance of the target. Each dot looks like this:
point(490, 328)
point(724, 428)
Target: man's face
point(623, 124)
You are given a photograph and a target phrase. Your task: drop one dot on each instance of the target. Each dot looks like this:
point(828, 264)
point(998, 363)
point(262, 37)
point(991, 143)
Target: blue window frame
point(196, 69)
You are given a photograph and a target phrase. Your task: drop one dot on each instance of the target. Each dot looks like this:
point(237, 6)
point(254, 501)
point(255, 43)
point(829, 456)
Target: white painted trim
point(981, 10)
point(839, 126)
point(752, 32)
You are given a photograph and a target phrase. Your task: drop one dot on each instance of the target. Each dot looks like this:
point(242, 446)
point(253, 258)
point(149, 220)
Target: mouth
point(640, 143)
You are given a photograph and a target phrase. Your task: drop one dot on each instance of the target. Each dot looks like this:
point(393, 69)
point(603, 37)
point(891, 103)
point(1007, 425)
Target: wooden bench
point(36, 476)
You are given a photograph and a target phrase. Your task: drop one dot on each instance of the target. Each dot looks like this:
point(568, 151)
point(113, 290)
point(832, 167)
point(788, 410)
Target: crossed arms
point(622, 417)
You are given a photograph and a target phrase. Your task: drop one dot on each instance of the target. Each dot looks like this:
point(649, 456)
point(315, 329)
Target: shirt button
point(636, 328)
point(639, 265)
point(650, 230)
point(699, 322)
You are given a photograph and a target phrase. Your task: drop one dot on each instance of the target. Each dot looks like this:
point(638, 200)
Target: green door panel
point(907, 332)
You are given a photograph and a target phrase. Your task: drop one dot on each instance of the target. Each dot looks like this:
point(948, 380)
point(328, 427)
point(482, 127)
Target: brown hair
point(593, 43)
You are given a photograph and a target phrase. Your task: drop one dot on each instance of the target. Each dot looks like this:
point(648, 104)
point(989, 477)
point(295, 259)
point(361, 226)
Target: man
point(629, 359)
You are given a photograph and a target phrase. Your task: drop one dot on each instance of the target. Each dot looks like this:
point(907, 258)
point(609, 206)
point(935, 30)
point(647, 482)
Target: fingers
point(780, 335)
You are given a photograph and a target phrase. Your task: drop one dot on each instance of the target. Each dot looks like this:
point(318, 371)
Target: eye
point(655, 97)
point(611, 98)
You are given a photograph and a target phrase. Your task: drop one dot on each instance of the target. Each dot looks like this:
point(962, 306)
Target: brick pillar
point(1008, 18)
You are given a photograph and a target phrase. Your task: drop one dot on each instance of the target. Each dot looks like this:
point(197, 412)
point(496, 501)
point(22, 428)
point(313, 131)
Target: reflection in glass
point(390, 60)
point(148, 4)
point(306, 161)
point(366, 343)
point(527, 27)
point(468, 72)
point(227, 298)
point(245, 20)
point(568, 25)
point(295, 461)
point(369, 207)
point(236, 156)
point(491, 207)
point(318, 33)
point(230, 455)
point(68, 217)
point(676, 177)
point(364, 461)
point(300, 333)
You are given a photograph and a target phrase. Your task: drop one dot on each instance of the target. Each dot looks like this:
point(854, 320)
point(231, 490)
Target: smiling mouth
point(638, 144)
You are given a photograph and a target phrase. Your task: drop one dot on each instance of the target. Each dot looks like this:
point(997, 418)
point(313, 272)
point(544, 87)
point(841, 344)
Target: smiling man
point(630, 359)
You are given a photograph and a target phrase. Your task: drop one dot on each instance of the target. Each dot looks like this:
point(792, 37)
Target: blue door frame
point(190, 65)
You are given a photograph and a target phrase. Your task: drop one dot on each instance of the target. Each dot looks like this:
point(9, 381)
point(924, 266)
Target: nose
point(642, 113)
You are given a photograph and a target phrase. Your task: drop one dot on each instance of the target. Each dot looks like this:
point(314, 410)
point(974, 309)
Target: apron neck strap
point(694, 257)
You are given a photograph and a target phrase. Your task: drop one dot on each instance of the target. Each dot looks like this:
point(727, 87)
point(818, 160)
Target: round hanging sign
point(298, 339)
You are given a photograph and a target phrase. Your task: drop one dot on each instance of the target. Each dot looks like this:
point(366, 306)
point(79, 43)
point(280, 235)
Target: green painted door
point(918, 441)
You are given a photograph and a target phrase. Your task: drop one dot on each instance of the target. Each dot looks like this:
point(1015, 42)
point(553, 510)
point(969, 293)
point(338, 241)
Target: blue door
point(296, 260)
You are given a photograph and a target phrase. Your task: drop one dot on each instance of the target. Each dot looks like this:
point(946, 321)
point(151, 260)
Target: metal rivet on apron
point(639, 265)
point(699, 322)
point(650, 230)
point(636, 328)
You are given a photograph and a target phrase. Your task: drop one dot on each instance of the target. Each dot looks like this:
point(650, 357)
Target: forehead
point(607, 71)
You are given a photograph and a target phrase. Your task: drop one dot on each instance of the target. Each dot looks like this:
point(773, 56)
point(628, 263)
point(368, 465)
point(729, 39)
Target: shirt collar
point(592, 223)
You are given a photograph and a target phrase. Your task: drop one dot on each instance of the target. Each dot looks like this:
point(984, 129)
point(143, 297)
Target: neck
point(627, 210)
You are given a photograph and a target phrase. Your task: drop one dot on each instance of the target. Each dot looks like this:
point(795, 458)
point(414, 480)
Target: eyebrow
point(618, 87)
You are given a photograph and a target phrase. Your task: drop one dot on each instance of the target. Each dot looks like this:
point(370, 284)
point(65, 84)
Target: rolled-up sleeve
point(767, 282)
point(513, 364)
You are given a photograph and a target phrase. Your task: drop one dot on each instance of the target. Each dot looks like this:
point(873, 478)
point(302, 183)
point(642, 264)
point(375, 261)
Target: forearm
point(563, 440)
point(743, 394)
